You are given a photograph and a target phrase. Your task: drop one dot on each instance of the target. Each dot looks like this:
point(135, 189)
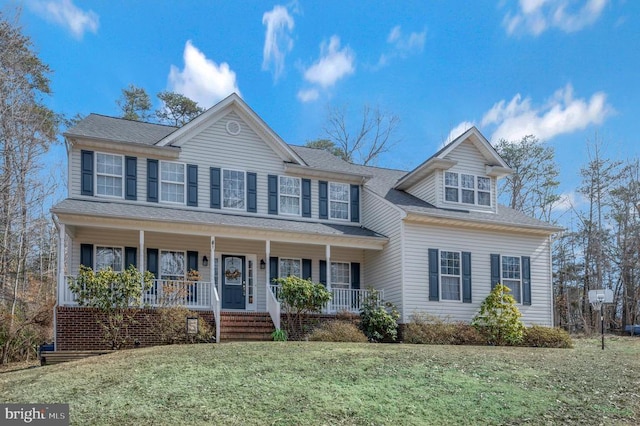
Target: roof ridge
point(133, 121)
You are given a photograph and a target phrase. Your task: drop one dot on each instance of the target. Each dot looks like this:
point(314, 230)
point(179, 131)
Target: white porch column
point(267, 253)
point(62, 285)
point(212, 264)
point(328, 256)
point(141, 265)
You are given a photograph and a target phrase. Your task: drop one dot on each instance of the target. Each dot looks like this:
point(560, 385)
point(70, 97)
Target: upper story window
point(290, 267)
point(109, 257)
point(233, 189)
point(511, 276)
point(289, 195)
point(339, 201)
point(172, 186)
point(467, 189)
point(450, 276)
point(109, 171)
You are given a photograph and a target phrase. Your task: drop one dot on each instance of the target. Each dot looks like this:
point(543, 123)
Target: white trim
point(280, 194)
point(251, 280)
point(244, 173)
point(184, 183)
point(95, 175)
point(348, 202)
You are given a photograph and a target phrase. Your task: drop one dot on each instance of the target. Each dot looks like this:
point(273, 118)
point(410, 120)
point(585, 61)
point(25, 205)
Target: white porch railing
point(200, 295)
point(342, 299)
point(273, 305)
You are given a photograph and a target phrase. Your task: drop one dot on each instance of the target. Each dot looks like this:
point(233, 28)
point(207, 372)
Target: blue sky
point(563, 70)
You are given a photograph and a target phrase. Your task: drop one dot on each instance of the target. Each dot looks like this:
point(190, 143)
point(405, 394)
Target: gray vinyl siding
point(383, 268)
point(74, 173)
point(420, 238)
point(426, 189)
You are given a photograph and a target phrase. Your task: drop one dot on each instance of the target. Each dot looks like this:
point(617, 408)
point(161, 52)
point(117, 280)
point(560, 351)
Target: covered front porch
point(215, 268)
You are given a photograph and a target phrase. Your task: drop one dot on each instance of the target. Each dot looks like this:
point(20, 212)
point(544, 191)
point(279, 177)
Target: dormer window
point(467, 189)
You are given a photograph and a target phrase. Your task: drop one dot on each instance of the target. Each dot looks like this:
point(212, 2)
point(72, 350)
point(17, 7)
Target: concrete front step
point(245, 326)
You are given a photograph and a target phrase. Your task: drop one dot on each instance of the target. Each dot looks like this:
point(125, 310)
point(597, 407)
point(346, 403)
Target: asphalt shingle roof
point(119, 130)
point(111, 209)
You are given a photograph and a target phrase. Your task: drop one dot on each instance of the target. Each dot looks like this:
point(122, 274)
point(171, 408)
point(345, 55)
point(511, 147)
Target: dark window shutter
point(192, 261)
point(152, 181)
point(306, 269)
point(130, 257)
point(86, 159)
point(215, 188)
point(131, 175)
point(323, 200)
point(466, 277)
point(526, 280)
point(86, 255)
point(273, 194)
point(252, 192)
point(192, 185)
point(273, 269)
point(355, 203)
point(495, 270)
point(434, 284)
point(355, 275)
point(323, 272)
point(306, 197)
point(152, 261)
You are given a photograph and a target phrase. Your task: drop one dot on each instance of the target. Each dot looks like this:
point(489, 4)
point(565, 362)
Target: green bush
point(499, 318)
point(378, 320)
point(431, 330)
point(279, 335)
point(546, 337)
point(170, 326)
point(338, 331)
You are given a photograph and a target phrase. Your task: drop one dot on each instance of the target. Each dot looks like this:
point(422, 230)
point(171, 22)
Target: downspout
point(55, 306)
point(403, 216)
point(551, 280)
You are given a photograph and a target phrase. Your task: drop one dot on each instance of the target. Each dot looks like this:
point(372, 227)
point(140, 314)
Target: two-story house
point(226, 196)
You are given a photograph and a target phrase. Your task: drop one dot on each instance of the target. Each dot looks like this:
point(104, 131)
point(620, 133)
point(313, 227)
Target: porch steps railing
point(245, 326)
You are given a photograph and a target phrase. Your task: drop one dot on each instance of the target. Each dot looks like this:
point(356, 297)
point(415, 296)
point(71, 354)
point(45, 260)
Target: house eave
point(306, 171)
point(423, 171)
point(438, 220)
point(170, 152)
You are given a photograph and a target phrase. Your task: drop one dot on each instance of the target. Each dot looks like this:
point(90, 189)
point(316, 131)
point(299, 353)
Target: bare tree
point(362, 144)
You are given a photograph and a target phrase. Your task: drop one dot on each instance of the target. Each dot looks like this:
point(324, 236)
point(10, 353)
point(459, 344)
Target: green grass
point(301, 383)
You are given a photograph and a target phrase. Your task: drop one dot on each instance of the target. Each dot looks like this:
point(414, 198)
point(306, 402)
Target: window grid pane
point(511, 267)
point(450, 288)
point(514, 286)
point(340, 275)
point(468, 196)
point(172, 265)
point(233, 189)
point(451, 179)
point(468, 181)
point(289, 195)
point(109, 175)
point(484, 184)
point(450, 275)
point(109, 257)
point(484, 198)
point(339, 201)
point(290, 267)
point(172, 182)
point(109, 185)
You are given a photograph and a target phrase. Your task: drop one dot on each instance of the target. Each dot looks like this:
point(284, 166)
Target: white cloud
point(568, 201)
point(202, 80)
point(402, 46)
point(277, 39)
point(458, 130)
point(536, 16)
point(561, 114)
point(66, 14)
point(308, 95)
point(334, 63)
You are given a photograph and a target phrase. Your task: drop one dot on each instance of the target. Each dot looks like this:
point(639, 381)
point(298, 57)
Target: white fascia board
point(127, 148)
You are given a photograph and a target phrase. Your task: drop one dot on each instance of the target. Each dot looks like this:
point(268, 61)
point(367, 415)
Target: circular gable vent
point(233, 127)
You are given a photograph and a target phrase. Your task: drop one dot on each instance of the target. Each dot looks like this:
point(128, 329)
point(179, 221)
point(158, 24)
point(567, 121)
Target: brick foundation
point(77, 328)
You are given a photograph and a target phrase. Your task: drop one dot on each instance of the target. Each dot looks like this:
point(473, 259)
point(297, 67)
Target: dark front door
point(233, 282)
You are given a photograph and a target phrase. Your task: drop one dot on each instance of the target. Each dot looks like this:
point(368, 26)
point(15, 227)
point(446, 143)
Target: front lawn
point(338, 383)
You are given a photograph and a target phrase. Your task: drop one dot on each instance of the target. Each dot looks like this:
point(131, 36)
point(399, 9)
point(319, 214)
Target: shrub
point(546, 337)
point(428, 329)
point(378, 320)
point(338, 331)
point(279, 335)
point(170, 325)
point(499, 318)
point(300, 298)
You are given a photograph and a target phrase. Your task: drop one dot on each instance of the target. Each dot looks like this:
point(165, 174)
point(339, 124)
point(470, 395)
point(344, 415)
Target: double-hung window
point(467, 189)
point(339, 201)
point(340, 275)
point(450, 276)
point(109, 171)
point(511, 276)
point(109, 257)
point(172, 265)
point(172, 185)
point(290, 195)
point(290, 267)
point(233, 189)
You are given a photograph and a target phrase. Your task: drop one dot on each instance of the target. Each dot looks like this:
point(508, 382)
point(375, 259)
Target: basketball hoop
point(598, 298)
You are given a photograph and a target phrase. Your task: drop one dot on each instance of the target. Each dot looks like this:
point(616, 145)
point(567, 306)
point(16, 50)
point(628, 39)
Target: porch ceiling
point(122, 215)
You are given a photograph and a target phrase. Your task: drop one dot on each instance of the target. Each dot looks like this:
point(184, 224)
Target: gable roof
point(232, 102)
point(496, 166)
point(102, 127)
